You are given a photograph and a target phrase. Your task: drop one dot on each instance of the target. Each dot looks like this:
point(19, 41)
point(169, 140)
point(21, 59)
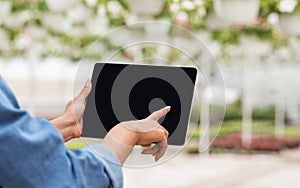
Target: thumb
point(85, 91)
point(160, 113)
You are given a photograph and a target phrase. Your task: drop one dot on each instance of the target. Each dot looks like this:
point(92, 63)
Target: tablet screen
point(124, 92)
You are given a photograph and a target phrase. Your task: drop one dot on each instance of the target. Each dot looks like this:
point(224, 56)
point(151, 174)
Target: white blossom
point(57, 22)
point(79, 13)
point(287, 5)
point(61, 6)
point(17, 20)
point(187, 4)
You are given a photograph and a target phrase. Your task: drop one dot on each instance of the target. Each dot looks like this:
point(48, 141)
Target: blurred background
point(256, 44)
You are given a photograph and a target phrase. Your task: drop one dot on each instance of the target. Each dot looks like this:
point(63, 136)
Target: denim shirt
point(33, 154)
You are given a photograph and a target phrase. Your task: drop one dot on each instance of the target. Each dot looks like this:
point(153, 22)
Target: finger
point(157, 151)
point(153, 150)
point(85, 91)
point(160, 113)
point(159, 135)
point(146, 145)
point(165, 130)
point(159, 155)
point(162, 147)
point(148, 151)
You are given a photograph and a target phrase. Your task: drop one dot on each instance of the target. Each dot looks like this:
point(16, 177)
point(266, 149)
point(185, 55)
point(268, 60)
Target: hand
point(121, 138)
point(69, 123)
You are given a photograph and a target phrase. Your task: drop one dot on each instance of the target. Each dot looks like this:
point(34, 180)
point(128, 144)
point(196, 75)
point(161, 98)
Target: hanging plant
point(268, 7)
point(232, 35)
point(60, 6)
point(116, 11)
point(288, 6)
point(280, 7)
point(290, 16)
point(145, 7)
point(237, 11)
point(212, 21)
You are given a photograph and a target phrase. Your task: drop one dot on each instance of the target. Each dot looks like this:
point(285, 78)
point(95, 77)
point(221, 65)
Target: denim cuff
point(111, 162)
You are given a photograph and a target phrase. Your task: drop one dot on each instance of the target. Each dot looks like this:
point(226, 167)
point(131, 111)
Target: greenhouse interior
point(244, 124)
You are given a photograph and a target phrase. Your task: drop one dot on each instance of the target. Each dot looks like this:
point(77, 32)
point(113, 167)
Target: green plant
point(258, 126)
point(264, 113)
point(268, 7)
point(262, 31)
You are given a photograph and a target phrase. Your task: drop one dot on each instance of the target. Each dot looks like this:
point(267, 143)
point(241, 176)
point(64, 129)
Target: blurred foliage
point(264, 32)
point(258, 126)
point(234, 112)
point(228, 127)
point(266, 113)
point(33, 5)
point(268, 7)
point(196, 12)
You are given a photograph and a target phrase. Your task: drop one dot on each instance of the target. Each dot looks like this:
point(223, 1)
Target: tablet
point(123, 92)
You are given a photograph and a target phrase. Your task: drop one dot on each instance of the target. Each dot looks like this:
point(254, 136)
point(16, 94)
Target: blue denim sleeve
point(32, 154)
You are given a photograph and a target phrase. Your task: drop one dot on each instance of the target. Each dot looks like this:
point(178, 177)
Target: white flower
point(287, 5)
point(37, 32)
point(188, 5)
point(79, 13)
point(174, 7)
point(77, 31)
point(114, 8)
point(98, 25)
point(91, 3)
point(57, 22)
point(17, 20)
point(273, 18)
point(61, 6)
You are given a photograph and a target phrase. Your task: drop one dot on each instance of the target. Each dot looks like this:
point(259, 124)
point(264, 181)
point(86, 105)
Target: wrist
point(67, 119)
point(124, 135)
point(121, 140)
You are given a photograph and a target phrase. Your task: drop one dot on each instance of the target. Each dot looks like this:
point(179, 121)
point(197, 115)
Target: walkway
point(220, 170)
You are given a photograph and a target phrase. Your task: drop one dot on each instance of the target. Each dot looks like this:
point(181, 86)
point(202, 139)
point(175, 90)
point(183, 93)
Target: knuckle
point(155, 113)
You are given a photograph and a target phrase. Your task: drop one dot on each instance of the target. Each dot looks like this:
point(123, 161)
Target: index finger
point(160, 113)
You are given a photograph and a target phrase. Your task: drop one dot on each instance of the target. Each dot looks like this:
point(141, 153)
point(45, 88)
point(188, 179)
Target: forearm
point(64, 126)
point(120, 140)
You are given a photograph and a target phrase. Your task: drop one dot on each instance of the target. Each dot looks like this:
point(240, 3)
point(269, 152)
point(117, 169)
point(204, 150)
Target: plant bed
point(259, 142)
point(290, 142)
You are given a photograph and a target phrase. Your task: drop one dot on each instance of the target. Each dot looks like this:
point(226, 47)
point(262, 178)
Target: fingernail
point(168, 108)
